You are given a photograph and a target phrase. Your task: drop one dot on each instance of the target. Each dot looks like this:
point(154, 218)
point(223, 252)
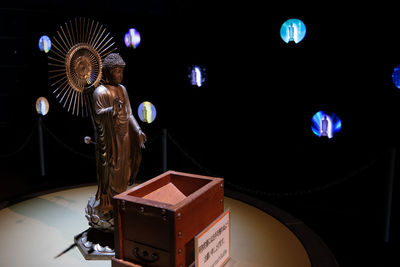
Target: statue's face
point(117, 74)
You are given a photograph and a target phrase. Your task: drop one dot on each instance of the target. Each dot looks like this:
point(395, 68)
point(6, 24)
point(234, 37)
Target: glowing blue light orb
point(323, 124)
point(293, 30)
point(197, 75)
point(132, 38)
point(396, 76)
point(147, 112)
point(42, 106)
point(44, 43)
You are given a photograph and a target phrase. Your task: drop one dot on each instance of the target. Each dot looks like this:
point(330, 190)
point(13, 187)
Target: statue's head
point(113, 69)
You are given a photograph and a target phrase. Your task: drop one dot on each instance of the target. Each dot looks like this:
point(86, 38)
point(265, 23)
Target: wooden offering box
point(156, 222)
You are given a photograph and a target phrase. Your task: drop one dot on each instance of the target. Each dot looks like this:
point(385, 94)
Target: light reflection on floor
point(42, 227)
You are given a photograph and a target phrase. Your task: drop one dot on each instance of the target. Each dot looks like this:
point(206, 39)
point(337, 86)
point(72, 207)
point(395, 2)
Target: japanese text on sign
point(213, 243)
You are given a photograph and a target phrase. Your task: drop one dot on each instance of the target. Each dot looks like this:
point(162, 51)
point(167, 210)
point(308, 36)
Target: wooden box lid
point(170, 190)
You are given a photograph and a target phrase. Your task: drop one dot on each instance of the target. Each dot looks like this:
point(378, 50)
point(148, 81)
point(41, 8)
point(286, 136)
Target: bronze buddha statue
point(118, 144)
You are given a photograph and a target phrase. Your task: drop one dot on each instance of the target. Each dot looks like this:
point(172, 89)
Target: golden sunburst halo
point(80, 46)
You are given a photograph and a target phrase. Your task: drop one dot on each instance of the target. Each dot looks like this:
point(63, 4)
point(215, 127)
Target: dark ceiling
point(260, 93)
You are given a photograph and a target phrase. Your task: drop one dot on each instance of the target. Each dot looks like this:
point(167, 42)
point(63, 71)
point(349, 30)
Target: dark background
point(251, 121)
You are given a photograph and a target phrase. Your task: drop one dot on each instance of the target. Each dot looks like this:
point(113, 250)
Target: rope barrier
point(80, 153)
point(195, 162)
point(65, 145)
point(23, 145)
point(310, 190)
point(335, 182)
point(58, 140)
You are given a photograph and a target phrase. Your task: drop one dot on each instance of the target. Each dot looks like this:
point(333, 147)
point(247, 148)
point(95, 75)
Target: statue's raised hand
point(117, 105)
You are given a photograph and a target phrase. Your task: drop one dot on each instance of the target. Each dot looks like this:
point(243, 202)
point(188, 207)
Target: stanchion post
point(390, 181)
point(41, 150)
point(164, 149)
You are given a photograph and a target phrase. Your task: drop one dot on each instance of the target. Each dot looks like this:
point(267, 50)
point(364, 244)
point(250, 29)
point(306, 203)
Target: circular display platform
point(35, 231)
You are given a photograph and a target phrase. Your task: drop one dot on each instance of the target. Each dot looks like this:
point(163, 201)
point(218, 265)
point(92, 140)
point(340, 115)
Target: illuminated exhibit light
point(325, 124)
point(42, 106)
point(197, 75)
point(44, 43)
point(293, 30)
point(132, 38)
point(396, 76)
point(147, 112)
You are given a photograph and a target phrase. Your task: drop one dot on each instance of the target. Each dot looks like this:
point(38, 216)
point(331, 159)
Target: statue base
point(95, 244)
point(98, 218)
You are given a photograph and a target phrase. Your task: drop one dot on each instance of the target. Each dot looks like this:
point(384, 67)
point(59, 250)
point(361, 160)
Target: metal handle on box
point(154, 256)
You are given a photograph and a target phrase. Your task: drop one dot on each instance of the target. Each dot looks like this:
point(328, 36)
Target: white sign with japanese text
point(212, 245)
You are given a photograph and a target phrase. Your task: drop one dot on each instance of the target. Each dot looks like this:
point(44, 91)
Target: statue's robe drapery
point(118, 151)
